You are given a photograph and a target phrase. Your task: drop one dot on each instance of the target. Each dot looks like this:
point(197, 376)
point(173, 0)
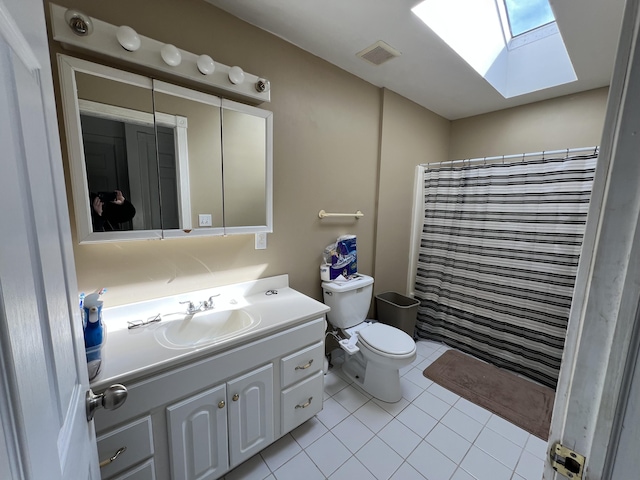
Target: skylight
point(523, 57)
point(527, 15)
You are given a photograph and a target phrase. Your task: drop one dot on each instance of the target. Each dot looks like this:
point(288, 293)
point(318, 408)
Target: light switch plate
point(204, 220)
point(261, 241)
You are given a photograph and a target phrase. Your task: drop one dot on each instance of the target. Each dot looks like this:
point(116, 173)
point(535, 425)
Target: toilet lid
point(387, 339)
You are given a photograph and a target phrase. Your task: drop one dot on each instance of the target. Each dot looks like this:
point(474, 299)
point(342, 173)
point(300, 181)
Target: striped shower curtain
point(498, 256)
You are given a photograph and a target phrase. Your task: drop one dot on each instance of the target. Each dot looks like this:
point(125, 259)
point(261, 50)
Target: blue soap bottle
point(94, 333)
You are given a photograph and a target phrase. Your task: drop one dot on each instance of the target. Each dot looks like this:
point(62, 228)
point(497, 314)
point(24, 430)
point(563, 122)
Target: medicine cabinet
point(191, 163)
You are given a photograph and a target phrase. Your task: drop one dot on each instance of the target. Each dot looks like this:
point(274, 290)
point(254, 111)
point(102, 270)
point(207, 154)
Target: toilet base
point(377, 380)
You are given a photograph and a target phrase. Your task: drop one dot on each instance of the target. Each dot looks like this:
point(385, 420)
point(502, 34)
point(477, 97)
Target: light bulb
point(206, 65)
point(171, 55)
point(128, 38)
point(236, 75)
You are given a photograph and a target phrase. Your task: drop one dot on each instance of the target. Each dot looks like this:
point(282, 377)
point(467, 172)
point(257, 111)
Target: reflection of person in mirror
point(109, 210)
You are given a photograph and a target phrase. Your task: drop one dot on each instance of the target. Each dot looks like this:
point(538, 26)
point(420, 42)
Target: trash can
point(398, 311)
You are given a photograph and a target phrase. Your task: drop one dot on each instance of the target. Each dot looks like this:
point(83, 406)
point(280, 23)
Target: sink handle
point(191, 308)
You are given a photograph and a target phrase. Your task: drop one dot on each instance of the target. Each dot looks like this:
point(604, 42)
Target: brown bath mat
point(513, 398)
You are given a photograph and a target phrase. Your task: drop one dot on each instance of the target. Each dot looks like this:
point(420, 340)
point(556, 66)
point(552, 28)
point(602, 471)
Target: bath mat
point(520, 401)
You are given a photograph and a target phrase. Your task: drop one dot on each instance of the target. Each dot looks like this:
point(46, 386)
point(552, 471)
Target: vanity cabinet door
point(251, 415)
point(197, 430)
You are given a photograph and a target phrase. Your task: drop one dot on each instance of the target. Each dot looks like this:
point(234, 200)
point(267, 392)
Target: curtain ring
point(543, 155)
point(503, 159)
point(485, 161)
point(523, 158)
point(567, 156)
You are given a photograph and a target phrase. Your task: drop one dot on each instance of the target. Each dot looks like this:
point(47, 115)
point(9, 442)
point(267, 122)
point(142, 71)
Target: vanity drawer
point(136, 436)
point(146, 471)
point(302, 401)
point(301, 364)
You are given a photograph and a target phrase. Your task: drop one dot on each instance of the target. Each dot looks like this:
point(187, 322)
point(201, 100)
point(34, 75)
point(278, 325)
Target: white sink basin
point(203, 328)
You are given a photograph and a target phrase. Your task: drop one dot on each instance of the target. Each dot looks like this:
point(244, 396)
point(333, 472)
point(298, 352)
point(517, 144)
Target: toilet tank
point(349, 301)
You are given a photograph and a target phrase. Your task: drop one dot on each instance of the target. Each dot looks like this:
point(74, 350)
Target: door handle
point(112, 398)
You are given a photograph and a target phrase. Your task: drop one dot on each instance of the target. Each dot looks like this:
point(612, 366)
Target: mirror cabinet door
point(111, 142)
point(247, 159)
point(193, 156)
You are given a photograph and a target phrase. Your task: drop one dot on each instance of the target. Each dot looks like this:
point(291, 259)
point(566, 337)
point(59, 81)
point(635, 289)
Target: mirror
point(187, 162)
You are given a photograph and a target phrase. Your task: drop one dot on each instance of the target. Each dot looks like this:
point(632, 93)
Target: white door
point(43, 378)
point(593, 414)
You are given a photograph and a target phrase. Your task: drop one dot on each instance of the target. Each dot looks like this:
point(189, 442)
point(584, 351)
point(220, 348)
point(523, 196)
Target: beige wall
point(411, 135)
point(572, 121)
point(340, 144)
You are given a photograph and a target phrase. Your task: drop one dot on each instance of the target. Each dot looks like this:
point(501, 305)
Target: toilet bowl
point(380, 350)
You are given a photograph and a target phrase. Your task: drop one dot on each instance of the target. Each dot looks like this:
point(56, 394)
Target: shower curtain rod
point(521, 156)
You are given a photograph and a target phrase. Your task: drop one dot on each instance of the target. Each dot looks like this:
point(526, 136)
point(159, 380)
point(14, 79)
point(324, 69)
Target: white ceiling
point(428, 72)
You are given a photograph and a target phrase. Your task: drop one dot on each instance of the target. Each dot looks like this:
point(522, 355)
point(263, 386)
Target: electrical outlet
point(204, 220)
point(261, 241)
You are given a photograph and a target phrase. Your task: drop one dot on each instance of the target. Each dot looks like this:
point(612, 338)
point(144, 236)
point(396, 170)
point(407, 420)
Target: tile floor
point(431, 433)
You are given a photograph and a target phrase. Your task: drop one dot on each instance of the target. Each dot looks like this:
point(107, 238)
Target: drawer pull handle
point(235, 397)
point(119, 452)
point(304, 367)
point(305, 405)
point(221, 404)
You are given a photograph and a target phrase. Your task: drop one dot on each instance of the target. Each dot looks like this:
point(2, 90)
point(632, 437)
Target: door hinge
point(567, 462)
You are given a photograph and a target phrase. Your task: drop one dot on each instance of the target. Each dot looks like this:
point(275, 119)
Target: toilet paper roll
point(325, 272)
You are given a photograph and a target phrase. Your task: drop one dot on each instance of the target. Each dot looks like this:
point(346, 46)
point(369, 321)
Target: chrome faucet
point(209, 304)
point(191, 308)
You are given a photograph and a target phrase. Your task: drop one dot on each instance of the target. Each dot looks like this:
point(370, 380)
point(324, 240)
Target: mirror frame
point(71, 108)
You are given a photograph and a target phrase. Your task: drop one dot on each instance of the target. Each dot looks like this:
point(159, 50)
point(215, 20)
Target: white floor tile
point(417, 420)
point(432, 405)
point(350, 398)
point(530, 467)
point(300, 463)
point(280, 452)
point(328, 453)
point(508, 430)
point(252, 469)
point(443, 394)
point(373, 416)
point(426, 348)
point(476, 412)
point(425, 363)
point(410, 390)
point(399, 437)
point(309, 432)
point(536, 446)
point(392, 408)
point(415, 375)
point(431, 463)
point(406, 472)
point(483, 466)
point(448, 442)
point(270, 477)
point(461, 475)
point(462, 424)
point(379, 458)
point(333, 383)
point(353, 433)
point(332, 413)
point(503, 450)
point(352, 470)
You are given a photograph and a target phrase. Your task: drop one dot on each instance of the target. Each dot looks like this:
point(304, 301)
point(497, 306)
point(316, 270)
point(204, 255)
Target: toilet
point(373, 358)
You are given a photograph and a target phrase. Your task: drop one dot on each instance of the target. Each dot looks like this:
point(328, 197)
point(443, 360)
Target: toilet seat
point(387, 341)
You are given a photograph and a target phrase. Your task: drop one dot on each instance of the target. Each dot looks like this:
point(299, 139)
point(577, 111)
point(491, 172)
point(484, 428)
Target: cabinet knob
point(235, 397)
point(304, 367)
point(221, 404)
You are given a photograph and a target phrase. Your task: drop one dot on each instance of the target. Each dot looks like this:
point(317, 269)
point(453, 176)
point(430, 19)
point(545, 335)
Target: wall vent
point(378, 53)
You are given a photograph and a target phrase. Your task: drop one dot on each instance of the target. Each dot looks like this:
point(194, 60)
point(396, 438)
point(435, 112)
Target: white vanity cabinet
point(222, 426)
point(210, 413)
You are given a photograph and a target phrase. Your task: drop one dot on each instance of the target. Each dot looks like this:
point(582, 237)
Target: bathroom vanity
point(201, 403)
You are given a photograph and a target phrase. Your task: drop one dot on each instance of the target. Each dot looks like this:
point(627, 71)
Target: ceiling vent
point(378, 53)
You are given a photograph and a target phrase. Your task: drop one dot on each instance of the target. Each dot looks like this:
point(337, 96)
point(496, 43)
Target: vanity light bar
point(125, 44)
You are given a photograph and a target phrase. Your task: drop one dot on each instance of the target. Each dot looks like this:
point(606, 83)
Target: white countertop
point(135, 353)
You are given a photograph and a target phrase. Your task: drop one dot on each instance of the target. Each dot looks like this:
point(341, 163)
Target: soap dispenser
point(94, 333)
